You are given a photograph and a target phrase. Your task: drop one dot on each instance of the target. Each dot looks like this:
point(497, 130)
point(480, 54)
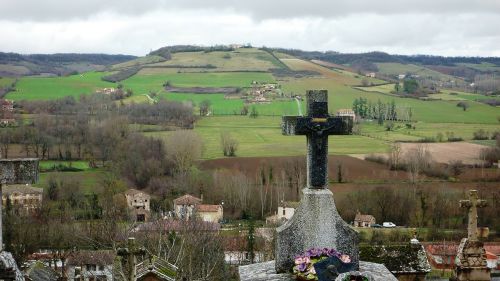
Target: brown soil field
point(355, 169)
point(468, 153)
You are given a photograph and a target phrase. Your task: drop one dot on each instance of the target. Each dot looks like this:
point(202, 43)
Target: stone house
point(88, 265)
point(209, 213)
point(442, 255)
point(139, 204)
point(363, 220)
point(24, 198)
point(285, 212)
point(184, 206)
point(346, 112)
point(188, 206)
point(39, 271)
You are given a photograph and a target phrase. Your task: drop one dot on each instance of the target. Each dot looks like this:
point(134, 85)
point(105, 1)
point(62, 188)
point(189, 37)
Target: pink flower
point(345, 259)
point(301, 260)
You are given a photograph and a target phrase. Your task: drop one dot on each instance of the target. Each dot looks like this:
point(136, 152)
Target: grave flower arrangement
point(321, 264)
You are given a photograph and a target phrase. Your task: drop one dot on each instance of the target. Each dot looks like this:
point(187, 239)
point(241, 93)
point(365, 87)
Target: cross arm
point(465, 203)
point(481, 203)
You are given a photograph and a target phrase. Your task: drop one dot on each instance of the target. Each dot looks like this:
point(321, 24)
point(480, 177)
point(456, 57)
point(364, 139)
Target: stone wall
point(19, 170)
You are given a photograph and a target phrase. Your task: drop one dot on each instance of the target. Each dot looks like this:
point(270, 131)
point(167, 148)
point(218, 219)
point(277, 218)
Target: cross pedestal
point(316, 223)
point(471, 256)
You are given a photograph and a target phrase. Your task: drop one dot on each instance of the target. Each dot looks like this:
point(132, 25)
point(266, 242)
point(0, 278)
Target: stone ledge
point(266, 272)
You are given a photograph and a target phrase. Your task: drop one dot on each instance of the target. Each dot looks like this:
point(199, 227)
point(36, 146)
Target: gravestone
point(316, 223)
point(14, 171)
point(471, 256)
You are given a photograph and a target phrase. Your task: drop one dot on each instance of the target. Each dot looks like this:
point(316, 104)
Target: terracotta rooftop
point(104, 257)
point(187, 200)
point(21, 188)
point(208, 208)
point(366, 218)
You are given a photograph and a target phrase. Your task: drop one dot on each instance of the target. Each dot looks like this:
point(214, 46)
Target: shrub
point(464, 105)
point(427, 139)
point(376, 158)
point(480, 135)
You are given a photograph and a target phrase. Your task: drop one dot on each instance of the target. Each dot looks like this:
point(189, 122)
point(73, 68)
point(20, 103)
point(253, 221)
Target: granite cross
point(16, 171)
point(472, 204)
point(130, 253)
point(317, 126)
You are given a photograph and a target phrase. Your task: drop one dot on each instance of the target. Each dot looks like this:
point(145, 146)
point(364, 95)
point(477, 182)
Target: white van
point(388, 224)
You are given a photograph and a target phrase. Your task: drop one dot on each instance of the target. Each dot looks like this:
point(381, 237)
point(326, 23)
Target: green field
point(342, 96)
point(484, 66)
point(394, 69)
point(89, 180)
point(222, 106)
point(262, 137)
point(238, 60)
point(138, 62)
point(142, 84)
point(422, 130)
point(46, 88)
point(83, 165)
point(6, 81)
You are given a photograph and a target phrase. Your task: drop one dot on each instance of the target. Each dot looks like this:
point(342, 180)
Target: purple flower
point(302, 267)
point(314, 253)
point(331, 252)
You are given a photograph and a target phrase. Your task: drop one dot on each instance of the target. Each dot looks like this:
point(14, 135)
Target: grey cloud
point(54, 10)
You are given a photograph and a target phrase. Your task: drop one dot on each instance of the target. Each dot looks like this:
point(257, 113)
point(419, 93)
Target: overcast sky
point(438, 27)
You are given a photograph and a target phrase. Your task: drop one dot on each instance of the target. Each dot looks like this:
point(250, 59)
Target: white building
point(346, 112)
point(23, 197)
point(90, 266)
point(188, 206)
point(285, 212)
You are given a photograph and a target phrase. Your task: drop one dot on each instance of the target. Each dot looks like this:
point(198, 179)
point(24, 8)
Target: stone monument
point(14, 171)
point(316, 222)
point(471, 256)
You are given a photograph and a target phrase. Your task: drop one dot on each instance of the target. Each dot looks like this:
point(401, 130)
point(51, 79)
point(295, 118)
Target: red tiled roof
point(187, 200)
point(208, 208)
point(365, 218)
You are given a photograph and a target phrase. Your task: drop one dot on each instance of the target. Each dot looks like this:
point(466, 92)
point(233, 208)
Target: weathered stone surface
point(265, 272)
point(8, 268)
point(315, 224)
point(19, 170)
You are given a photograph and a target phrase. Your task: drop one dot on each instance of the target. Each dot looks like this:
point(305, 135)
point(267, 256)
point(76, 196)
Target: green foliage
point(410, 86)
point(254, 113)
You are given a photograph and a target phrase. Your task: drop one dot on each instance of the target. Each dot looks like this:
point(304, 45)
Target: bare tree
point(183, 148)
point(228, 143)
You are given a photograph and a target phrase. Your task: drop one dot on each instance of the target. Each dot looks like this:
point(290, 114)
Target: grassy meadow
point(262, 137)
point(47, 88)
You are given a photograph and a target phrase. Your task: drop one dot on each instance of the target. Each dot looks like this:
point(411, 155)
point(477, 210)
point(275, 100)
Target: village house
point(184, 206)
point(370, 74)
point(139, 204)
point(106, 91)
point(24, 198)
point(7, 112)
point(285, 212)
point(88, 265)
point(363, 220)
point(442, 255)
point(188, 206)
point(346, 112)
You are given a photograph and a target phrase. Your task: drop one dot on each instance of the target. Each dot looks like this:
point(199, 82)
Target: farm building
point(346, 112)
point(188, 206)
point(139, 204)
point(90, 265)
point(363, 220)
point(26, 198)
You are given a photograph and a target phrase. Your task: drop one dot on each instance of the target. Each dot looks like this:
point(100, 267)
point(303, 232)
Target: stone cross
point(317, 126)
point(472, 204)
point(131, 252)
point(16, 171)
